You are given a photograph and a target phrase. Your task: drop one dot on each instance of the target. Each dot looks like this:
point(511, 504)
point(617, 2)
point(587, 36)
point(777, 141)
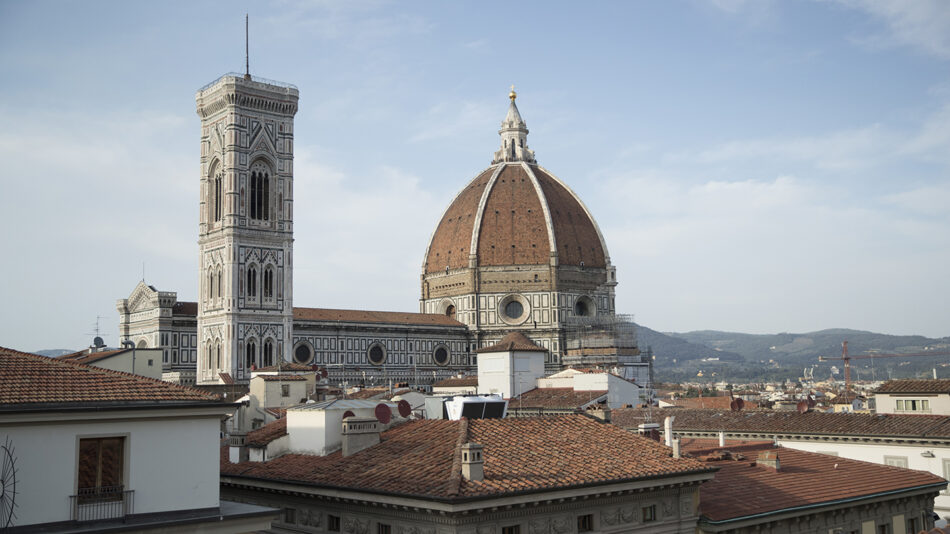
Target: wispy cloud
point(920, 24)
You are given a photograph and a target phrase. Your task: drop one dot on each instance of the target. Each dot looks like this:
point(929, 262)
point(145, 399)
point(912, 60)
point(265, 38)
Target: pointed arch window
point(210, 284)
point(251, 354)
point(216, 197)
point(268, 282)
point(217, 355)
point(268, 353)
point(252, 281)
point(259, 201)
point(220, 288)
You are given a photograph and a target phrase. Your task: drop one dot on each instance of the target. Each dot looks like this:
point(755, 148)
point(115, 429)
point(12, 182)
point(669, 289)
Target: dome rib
point(480, 211)
point(552, 238)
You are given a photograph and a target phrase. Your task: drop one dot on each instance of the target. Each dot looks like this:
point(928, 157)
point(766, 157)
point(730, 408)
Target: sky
point(755, 166)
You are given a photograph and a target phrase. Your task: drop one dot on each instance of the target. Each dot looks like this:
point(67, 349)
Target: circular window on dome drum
point(441, 355)
point(513, 309)
point(584, 307)
point(376, 354)
point(302, 353)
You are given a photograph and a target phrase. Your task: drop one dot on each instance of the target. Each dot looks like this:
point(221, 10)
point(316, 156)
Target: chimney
point(668, 430)
point(601, 413)
point(359, 433)
point(676, 449)
point(722, 438)
point(237, 447)
point(649, 430)
point(768, 459)
point(472, 462)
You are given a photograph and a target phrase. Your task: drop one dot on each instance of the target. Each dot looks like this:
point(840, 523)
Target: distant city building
point(516, 251)
point(913, 397)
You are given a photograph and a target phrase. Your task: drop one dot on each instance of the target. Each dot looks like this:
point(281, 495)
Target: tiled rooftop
point(285, 366)
point(282, 378)
point(183, 308)
point(422, 458)
point(84, 356)
point(709, 403)
point(556, 399)
point(457, 382)
point(267, 433)
point(816, 423)
point(742, 489)
point(365, 316)
point(512, 342)
point(29, 379)
point(914, 386)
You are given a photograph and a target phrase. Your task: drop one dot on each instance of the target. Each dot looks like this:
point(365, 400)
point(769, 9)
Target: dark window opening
point(585, 523)
point(101, 462)
point(514, 309)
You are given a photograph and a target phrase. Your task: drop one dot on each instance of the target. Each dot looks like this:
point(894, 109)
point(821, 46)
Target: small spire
point(512, 95)
point(247, 55)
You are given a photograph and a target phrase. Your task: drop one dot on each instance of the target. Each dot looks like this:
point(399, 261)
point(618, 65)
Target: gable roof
point(457, 381)
point(515, 341)
point(915, 386)
point(29, 380)
point(556, 399)
point(267, 433)
point(791, 422)
point(366, 316)
point(422, 459)
point(742, 489)
point(84, 356)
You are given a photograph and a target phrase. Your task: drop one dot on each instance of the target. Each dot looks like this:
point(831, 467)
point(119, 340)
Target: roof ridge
point(455, 477)
point(108, 372)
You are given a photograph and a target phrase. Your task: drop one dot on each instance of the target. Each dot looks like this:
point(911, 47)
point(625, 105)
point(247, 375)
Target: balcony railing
point(96, 504)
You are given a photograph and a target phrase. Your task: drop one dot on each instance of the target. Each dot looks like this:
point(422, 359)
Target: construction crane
point(847, 359)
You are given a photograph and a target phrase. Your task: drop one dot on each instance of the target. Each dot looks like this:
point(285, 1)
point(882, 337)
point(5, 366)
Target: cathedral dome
point(515, 213)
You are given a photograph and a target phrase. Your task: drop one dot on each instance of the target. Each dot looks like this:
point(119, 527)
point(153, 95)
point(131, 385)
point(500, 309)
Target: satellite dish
point(314, 368)
point(734, 406)
point(383, 413)
point(404, 408)
point(740, 403)
point(348, 413)
point(811, 402)
point(324, 373)
point(98, 342)
point(802, 406)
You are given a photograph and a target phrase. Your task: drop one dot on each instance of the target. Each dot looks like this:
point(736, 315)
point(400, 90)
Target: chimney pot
point(473, 466)
point(768, 459)
point(359, 433)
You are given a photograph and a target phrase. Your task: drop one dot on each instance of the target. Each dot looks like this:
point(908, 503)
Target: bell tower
point(245, 235)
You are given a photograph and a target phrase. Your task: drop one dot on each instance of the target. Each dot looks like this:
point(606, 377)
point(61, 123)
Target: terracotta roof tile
point(285, 366)
point(89, 357)
point(578, 242)
point(915, 386)
point(709, 403)
point(267, 433)
point(29, 379)
point(556, 399)
point(188, 309)
point(226, 378)
point(742, 489)
point(364, 316)
point(513, 230)
point(282, 378)
point(418, 458)
point(816, 423)
point(511, 342)
point(452, 239)
point(464, 381)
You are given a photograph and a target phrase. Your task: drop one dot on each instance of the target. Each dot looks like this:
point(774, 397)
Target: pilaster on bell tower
point(245, 235)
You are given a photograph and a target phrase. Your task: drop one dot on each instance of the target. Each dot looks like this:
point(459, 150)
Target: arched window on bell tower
point(268, 282)
point(268, 353)
point(252, 282)
point(259, 199)
point(251, 354)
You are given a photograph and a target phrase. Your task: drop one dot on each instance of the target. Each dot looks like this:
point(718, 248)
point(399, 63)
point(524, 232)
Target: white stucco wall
point(876, 453)
point(887, 403)
point(123, 362)
point(319, 431)
point(171, 464)
point(509, 373)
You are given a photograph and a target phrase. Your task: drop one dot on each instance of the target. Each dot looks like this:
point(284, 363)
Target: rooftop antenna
point(143, 271)
point(247, 60)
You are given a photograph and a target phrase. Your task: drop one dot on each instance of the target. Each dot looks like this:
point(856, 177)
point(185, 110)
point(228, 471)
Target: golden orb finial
point(512, 95)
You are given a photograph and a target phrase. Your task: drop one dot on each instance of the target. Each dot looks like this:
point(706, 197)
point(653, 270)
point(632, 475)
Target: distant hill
point(670, 348)
point(53, 353)
point(802, 350)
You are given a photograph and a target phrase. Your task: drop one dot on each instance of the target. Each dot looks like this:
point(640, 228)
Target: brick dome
point(515, 213)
